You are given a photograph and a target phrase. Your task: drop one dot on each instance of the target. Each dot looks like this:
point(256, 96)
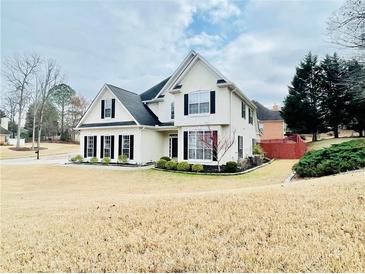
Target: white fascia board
point(90, 106)
point(110, 127)
point(177, 72)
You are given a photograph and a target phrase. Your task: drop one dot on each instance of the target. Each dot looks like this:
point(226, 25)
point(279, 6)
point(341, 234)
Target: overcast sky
point(135, 44)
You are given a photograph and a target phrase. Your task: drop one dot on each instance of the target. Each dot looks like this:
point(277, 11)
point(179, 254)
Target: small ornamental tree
point(219, 145)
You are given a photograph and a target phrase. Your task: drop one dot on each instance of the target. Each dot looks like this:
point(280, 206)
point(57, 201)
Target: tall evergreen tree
point(355, 82)
point(301, 110)
point(336, 95)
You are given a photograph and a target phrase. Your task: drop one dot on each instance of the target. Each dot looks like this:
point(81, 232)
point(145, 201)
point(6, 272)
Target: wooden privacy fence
point(291, 147)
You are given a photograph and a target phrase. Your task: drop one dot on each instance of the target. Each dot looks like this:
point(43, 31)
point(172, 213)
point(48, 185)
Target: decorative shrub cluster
point(106, 161)
point(122, 158)
point(166, 163)
point(94, 160)
point(257, 150)
point(77, 159)
point(337, 158)
point(230, 167)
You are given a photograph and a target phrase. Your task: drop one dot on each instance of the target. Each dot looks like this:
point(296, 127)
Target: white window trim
point(199, 113)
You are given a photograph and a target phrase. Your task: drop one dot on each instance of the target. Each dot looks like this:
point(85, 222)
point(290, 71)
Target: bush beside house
point(335, 159)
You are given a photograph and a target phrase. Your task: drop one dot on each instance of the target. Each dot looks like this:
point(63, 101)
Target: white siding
point(94, 114)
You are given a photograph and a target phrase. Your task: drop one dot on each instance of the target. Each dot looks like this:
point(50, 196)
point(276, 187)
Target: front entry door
point(173, 146)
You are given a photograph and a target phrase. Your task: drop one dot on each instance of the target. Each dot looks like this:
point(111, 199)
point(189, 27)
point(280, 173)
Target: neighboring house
point(4, 132)
point(171, 118)
point(271, 124)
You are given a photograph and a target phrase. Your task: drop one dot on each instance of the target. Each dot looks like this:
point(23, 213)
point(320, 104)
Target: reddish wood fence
point(291, 147)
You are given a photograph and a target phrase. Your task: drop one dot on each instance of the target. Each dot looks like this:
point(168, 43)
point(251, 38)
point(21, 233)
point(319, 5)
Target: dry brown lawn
point(52, 149)
point(56, 218)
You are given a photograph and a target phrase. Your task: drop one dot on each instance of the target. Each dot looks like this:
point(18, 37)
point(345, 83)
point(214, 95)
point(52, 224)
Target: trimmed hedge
point(337, 158)
point(197, 168)
point(230, 167)
point(183, 166)
point(166, 158)
point(161, 163)
point(171, 165)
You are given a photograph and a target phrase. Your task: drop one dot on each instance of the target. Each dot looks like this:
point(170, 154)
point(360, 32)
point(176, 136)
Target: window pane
point(193, 108)
point(204, 97)
point(207, 154)
point(199, 154)
point(192, 154)
point(192, 139)
point(204, 107)
point(107, 108)
point(193, 98)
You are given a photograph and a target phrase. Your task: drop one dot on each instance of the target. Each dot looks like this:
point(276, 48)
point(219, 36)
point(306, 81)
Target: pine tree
point(301, 110)
point(336, 95)
point(355, 82)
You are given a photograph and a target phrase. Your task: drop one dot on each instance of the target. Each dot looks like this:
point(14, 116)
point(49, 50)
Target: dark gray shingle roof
point(263, 113)
point(152, 92)
point(135, 106)
point(126, 123)
point(4, 131)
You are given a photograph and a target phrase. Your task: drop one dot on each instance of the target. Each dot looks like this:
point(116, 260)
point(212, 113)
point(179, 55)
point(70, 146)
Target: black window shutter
point(102, 109)
point(215, 144)
point(186, 104)
point(85, 146)
point(120, 144)
point(212, 101)
point(112, 147)
point(186, 145)
point(113, 108)
point(131, 147)
point(95, 145)
point(238, 149)
point(101, 147)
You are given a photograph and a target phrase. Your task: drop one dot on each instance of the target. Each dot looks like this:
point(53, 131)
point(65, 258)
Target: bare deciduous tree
point(47, 82)
point(218, 145)
point(347, 26)
point(35, 101)
point(18, 72)
point(77, 109)
point(10, 107)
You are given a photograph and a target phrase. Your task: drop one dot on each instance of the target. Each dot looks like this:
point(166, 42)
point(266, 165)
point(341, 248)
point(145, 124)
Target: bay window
point(199, 102)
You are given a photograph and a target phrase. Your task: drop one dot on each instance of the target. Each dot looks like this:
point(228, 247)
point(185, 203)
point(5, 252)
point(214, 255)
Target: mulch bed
point(26, 148)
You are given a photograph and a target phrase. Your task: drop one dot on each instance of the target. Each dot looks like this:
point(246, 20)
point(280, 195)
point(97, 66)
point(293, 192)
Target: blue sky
point(135, 44)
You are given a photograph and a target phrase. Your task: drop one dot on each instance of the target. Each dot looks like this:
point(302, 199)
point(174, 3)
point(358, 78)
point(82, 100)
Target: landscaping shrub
point(197, 168)
point(230, 167)
point(171, 165)
point(183, 166)
point(165, 158)
point(161, 163)
point(123, 159)
point(77, 159)
point(337, 158)
point(106, 161)
point(94, 160)
point(257, 150)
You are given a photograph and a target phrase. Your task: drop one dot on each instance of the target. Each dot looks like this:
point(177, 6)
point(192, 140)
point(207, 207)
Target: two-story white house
point(171, 119)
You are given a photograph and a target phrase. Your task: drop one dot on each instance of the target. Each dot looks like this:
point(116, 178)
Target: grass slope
point(105, 220)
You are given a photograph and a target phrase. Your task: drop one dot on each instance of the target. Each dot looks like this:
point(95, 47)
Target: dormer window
point(108, 108)
point(199, 102)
